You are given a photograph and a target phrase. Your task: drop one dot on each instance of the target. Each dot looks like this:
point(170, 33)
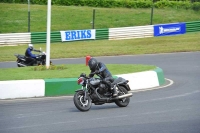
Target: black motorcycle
point(95, 90)
point(23, 61)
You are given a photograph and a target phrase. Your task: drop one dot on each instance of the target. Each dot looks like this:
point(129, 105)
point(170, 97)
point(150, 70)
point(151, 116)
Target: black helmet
point(92, 63)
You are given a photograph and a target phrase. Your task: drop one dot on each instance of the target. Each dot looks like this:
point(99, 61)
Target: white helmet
point(30, 46)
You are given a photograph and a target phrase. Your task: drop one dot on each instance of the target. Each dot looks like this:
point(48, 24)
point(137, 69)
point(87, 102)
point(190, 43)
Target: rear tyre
point(80, 103)
point(122, 102)
point(18, 61)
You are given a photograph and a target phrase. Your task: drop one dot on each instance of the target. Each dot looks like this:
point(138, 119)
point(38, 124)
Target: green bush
point(196, 6)
point(40, 2)
point(185, 4)
point(173, 4)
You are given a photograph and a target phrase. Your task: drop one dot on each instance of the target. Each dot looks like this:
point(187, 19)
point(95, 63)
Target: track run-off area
point(171, 108)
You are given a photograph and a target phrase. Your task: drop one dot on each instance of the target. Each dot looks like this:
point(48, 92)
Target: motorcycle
point(23, 61)
point(95, 90)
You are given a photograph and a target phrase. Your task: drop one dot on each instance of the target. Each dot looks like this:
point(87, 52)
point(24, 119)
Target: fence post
point(93, 18)
point(152, 12)
point(28, 15)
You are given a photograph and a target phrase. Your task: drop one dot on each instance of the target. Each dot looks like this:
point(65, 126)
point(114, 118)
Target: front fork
point(86, 95)
point(84, 89)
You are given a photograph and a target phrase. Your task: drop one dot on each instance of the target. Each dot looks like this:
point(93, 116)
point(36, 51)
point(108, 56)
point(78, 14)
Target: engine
point(102, 89)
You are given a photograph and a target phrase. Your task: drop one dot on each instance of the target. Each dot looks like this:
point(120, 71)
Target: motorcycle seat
point(118, 81)
point(21, 56)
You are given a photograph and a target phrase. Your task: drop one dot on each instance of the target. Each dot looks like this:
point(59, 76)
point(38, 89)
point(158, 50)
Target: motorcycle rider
point(100, 68)
point(28, 53)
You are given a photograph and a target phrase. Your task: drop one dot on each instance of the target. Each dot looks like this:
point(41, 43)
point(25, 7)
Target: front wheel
point(80, 103)
point(125, 101)
point(44, 62)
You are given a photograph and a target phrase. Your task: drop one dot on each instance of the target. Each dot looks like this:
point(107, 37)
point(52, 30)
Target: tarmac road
point(173, 109)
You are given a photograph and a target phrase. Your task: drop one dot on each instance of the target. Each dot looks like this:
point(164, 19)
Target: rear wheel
point(122, 102)
point(80, 103)
point(18, 61)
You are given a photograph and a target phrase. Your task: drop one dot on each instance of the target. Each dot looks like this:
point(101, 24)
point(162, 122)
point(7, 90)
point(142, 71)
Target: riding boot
point(114, 91)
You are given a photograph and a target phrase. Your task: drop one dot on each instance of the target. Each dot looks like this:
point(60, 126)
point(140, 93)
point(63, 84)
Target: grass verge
point(67, 71)
point(180, 43)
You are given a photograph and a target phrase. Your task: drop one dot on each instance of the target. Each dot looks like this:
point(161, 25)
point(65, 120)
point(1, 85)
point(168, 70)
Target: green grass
point(71, 71)
point(14, 17)
point(180, 43)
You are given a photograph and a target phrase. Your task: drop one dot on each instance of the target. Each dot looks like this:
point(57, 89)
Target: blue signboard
point(169, 29)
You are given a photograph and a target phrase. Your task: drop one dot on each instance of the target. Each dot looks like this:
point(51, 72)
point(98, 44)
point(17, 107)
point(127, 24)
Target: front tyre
point(122, 102)
point(44, 62)
point(80, 103)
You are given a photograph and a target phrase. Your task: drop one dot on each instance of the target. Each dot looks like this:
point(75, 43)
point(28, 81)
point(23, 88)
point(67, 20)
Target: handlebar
point(87, 77)
point(37, 50)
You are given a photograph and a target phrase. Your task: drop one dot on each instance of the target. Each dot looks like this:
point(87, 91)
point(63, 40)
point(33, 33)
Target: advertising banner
point(74, 35)
point(169, 29)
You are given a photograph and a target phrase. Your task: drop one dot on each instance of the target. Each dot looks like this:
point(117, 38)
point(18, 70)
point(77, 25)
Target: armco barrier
point(67, 86)
point(40, 37)
point(169, 29)
point(130, 32)
point(102, 34)
point(15, 38)
point(193, 26)
point(111, 34)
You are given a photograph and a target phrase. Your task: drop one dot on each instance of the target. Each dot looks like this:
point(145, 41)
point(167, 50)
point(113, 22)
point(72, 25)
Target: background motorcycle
point(95, 90)
point(23, 61)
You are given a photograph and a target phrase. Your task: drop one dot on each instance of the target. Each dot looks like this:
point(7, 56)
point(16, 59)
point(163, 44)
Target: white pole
point(48, 34)
point(28, 15)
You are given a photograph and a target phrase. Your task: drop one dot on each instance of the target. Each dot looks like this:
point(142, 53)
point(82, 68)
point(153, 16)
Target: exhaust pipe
point(123, 96)
point(21, 64)
point(114, 98)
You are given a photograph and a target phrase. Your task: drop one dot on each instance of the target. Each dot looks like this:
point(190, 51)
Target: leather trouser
point(108, 81)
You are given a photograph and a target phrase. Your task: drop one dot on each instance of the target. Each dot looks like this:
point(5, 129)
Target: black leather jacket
point(103, 71)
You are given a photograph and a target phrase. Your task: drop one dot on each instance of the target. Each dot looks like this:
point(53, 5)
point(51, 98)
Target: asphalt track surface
point(173, 109)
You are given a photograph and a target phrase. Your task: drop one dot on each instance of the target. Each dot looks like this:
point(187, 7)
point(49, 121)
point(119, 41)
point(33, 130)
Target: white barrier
point(141, 80)
point(22, 88)
point(131, 32)
point(15, 38)
point(36, 88)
